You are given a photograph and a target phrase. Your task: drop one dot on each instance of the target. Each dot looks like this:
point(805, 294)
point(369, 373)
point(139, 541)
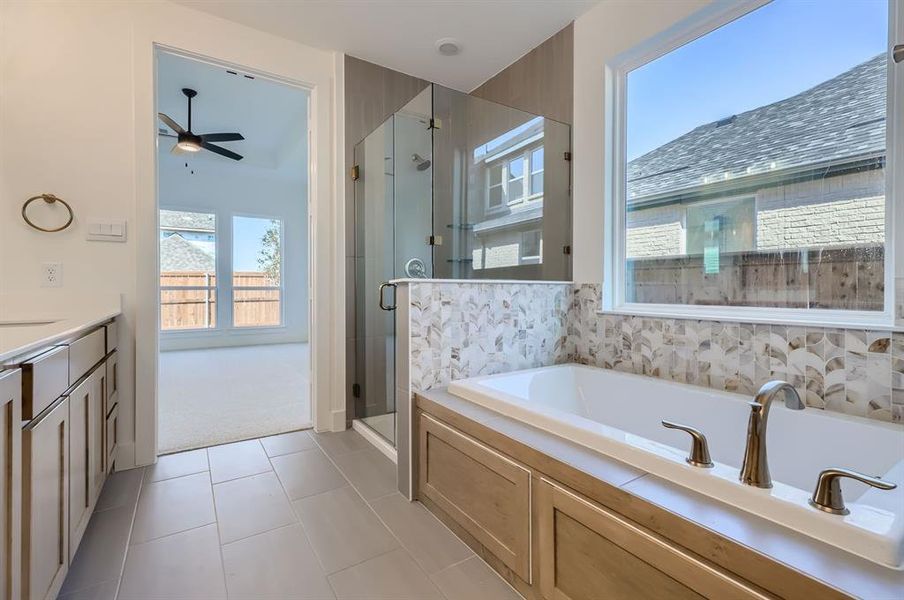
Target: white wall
point(77, 119)
point(226, 189)
point(601, 34)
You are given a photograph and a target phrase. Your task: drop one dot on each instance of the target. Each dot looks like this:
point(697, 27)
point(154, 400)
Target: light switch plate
point(106, 230)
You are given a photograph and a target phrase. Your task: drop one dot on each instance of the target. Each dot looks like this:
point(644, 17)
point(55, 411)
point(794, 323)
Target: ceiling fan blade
point(163, 133)
point(222, 137)
point(170, 123)
point(221, 151)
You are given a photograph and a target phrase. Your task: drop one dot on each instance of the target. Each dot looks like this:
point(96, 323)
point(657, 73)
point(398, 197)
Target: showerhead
point(422, 163)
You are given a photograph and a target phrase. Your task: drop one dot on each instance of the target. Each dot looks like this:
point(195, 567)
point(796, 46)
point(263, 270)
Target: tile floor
point(298, 515)
point(219, 395)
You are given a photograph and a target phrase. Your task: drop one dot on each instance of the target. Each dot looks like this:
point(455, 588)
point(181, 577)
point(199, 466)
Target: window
point(188, 274)
point(536, 172)
point(257, 272)
point(496, 189)
point(751, 171)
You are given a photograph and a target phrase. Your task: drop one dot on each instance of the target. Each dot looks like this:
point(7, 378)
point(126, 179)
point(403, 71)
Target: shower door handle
point(383, 286)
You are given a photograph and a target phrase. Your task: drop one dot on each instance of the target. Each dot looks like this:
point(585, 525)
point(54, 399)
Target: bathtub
point(619, 414)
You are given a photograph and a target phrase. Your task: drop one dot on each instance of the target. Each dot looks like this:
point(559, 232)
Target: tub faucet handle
point(827, 495)
point(699, 456)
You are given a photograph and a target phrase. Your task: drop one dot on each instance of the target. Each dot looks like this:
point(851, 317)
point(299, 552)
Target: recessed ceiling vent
point(448, 46)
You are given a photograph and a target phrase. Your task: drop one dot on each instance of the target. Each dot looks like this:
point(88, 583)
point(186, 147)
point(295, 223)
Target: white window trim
point(719, 13)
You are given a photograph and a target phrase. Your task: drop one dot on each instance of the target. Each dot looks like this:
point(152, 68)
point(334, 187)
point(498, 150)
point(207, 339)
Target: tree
point(270, 258)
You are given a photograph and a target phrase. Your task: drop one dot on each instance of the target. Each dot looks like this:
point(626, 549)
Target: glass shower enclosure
point(450, 187)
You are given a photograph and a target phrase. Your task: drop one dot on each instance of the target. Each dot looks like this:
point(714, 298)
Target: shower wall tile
point(853, 371)
point(460, 330)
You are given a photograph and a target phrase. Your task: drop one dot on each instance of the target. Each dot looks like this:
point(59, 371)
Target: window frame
point(614, 249)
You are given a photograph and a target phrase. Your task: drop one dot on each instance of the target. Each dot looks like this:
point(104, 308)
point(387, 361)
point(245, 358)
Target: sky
point(775, 52)
point(247, 233)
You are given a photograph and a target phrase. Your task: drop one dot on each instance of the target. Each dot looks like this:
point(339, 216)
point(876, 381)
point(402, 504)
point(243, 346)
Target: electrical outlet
point(52, 274)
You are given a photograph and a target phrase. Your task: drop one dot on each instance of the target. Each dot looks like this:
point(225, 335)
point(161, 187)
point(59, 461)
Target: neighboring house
point(508, 217)
point(187, 242)
point(804, 172)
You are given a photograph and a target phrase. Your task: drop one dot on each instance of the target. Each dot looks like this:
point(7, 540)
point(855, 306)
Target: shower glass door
point(393, 218)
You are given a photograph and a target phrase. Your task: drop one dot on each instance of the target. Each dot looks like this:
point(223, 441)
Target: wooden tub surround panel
point(599, 528)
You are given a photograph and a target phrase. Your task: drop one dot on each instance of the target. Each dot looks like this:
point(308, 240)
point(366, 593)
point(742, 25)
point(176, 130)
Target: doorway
point(233, 247)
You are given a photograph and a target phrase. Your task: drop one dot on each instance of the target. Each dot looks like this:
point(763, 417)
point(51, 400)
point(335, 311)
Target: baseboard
point(337, 420)
point(124, 459)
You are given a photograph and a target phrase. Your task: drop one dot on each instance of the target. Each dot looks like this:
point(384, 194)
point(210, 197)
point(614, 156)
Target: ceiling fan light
point(188, 146)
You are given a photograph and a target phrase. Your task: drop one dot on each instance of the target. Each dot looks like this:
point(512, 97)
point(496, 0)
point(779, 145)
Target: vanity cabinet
point(45, 503)
point(68, 443)
point(484, 492)
point(10, 482)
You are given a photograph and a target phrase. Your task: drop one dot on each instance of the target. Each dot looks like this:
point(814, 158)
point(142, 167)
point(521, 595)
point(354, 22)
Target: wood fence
point(196, 307)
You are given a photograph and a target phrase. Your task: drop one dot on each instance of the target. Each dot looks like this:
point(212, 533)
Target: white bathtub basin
point(619, 415)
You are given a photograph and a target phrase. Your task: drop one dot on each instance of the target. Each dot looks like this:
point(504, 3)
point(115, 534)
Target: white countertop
point(52, 317)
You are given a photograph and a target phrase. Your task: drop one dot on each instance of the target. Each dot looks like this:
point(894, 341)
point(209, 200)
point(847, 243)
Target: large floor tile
point(277, 565)
point(372, 474)
point(240, 459)
point(341, 442)
point(186, 566)
point(342, 528)
point(390, 576)
point(473, 578)
point(251, 505)
point(307, 473)
point(102, 591)
point(287, 443)
point(120, 489)
point(173, 505)
point(177, 465)
point(432, 545)
point(101, 551)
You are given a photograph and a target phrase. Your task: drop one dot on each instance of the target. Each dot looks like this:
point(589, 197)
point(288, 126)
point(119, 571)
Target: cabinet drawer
point(45, 504)
point(483, 491)
point(112, 336)
point(44, 379)
point(586, 552)
point(10, 483)
point(86, 352)
point(111, 437)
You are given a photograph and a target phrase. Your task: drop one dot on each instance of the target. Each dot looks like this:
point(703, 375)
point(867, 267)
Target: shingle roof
point(838, 119)
point(178, 254)
point(177, 219)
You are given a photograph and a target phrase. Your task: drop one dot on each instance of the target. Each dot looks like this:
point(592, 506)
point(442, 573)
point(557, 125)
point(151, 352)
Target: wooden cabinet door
point(587, 552)
point(97, 432)
point(45, 503)
point(485, 492)
point(80, 491)
point(10, 483)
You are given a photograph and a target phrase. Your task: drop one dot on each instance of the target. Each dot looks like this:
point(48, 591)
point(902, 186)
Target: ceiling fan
point(191, 142)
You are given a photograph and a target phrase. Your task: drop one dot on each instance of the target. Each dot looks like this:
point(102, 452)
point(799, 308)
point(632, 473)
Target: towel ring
point(49, 199)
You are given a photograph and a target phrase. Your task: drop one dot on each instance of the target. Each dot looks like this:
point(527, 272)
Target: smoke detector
point(448, 46)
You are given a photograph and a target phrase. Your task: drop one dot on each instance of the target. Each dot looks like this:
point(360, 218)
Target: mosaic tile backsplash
point(462, 330)
point(853, 371)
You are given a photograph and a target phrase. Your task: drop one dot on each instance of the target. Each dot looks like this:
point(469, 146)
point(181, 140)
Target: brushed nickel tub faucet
point(755, 468)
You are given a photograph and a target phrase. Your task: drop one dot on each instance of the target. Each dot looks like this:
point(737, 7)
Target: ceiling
point(401, 34)
point(272, 116)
